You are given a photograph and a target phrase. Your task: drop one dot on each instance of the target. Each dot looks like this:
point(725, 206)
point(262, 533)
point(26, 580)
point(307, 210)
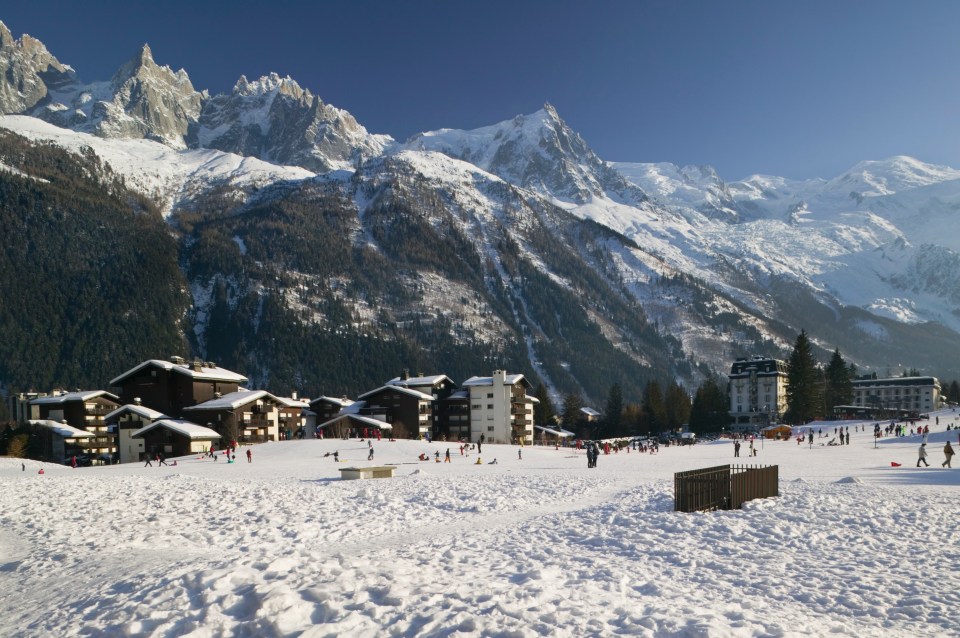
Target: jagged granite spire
point(28, 72)
point(277, 120)
point(149, 101)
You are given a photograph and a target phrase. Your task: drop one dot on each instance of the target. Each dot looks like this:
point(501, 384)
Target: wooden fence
point(724, 487)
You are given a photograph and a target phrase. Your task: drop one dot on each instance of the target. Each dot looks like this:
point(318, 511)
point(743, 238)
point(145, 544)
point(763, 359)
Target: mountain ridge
point(515, 240)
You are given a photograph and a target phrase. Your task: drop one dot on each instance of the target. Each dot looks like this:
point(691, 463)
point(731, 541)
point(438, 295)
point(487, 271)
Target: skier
point(923, 455)
point(947, 452)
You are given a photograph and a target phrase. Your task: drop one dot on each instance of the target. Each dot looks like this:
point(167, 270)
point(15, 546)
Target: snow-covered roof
point(563, 434)
point(459, 394)
point(290, 402)
point(342, 402)
point(192, 430)
point(64, 430)
point(140, 410)
point(419, 381)
point(401, 389)
point(79, 395)
point(366, 420)
point(206, 372)
point(589, 411)
point(233, 400)
point(510, 379)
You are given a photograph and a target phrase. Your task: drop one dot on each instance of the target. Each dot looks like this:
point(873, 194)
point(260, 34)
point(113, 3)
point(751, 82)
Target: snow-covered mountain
point(673, 268)
point(274, 119)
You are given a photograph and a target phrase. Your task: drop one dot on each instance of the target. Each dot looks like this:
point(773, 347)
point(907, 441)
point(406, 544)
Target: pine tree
point(804, 383)
point(654, 411)
point(838, 383)
point(543, 412)
point(676, 406)
point(710, 409)
point(571, 411)
point(613, 412)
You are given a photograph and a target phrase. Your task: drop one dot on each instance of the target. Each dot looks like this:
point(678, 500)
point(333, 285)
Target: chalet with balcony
point(408, 411)
point(126, 420)
point(325, 408)
point(449, 418)
point(172, 386)
point(245, 416)
point(500, 409)
point(82, 410)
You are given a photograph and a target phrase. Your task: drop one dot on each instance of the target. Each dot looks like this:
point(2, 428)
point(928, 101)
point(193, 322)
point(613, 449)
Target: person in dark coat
point(948, 453)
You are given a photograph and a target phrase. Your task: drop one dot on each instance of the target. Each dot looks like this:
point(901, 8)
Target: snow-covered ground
point(541, 546)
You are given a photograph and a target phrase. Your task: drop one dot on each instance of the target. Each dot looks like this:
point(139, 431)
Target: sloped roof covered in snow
point(64, 430)
point(342, 402)
point(79, 395)
point(192, 430)
point(365, 420)
point(563, 434)
point(234, 400)
point(419, 381)
point(204, 371)
point(139, 410)
point(398, 388)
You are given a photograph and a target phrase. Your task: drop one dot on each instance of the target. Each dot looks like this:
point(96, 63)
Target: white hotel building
point(500, 409)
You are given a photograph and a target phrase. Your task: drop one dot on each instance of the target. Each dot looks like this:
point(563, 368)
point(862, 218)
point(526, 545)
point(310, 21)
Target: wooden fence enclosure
point(724, 487)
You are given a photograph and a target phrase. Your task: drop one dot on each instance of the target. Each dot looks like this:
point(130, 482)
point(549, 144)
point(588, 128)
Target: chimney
point(405, 374)
point(136, 400)
point(293, 395)
point(197, 365)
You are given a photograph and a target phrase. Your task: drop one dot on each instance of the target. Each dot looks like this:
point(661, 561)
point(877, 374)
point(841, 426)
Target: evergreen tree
point(612, 414)
point(953, 392)
point(543, 412)
point(632, 418)
point(710, 409)
point(676, 406)
point(571, 411)
point(804, 383)
point(654, 411)
point(838, 383)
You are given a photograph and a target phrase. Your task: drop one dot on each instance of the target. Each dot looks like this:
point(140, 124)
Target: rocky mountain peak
point(274, 118)
point(28, 72)
point(537, 151)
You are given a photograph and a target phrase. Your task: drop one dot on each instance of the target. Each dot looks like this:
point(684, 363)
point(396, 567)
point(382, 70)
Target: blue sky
point(798, 89)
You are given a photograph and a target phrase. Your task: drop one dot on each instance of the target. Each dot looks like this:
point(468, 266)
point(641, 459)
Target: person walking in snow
point(370, 454)
point(148, 463)
point(923, 455)
point(947, 452)
point(446, 457)
point(160, 460)
point(736, 448)
point(249, 456)
point(520, 454)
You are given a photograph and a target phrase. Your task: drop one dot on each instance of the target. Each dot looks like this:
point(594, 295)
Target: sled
point(892, 464)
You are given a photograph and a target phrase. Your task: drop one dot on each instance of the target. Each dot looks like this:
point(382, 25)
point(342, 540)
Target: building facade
point(910, 394)
point(500, 409)
point(758, 392)
point(83, 410)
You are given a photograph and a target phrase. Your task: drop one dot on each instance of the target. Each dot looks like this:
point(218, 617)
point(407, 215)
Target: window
point(489, 406)
point(489, 428)
point(475, 406)
point(489, 395)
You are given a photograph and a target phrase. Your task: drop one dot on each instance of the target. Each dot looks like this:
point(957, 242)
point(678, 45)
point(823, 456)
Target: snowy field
point(541, 546)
